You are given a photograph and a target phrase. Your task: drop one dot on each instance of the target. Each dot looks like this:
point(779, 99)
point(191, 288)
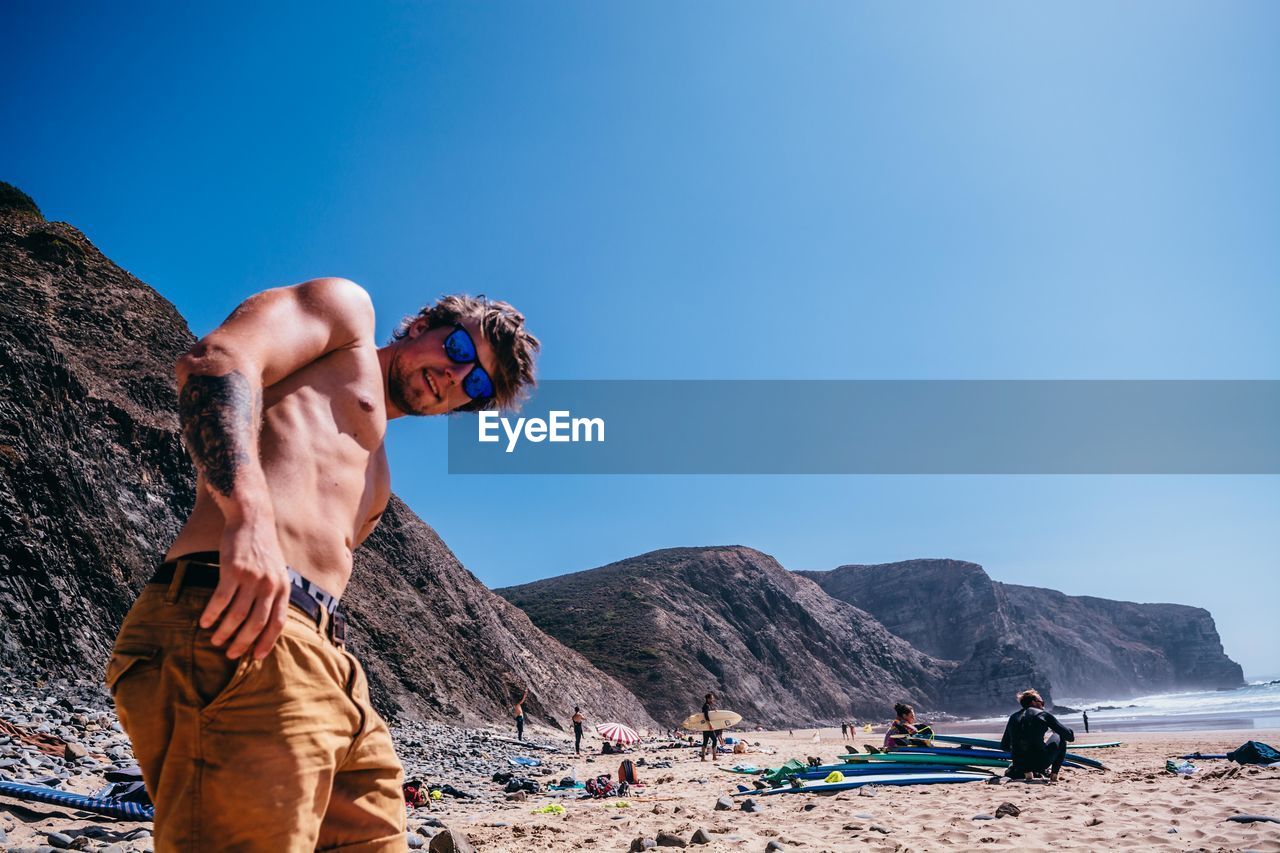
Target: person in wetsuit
point(710, 737)
point(1024, 739)
point(577, 730)
point(517, 711)
point(904, 723)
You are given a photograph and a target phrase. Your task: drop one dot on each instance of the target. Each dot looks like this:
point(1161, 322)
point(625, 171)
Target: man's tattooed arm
point(220, 418)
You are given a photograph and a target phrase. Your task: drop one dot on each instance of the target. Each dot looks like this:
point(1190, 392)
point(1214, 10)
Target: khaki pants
point(280, 754)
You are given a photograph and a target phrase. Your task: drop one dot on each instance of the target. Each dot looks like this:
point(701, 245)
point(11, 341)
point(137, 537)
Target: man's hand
point(252, 598)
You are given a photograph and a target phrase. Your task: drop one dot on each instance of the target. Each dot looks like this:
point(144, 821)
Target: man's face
point(423, 380)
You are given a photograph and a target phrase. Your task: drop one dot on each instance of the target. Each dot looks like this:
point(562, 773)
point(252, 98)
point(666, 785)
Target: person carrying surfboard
point(1024, 739)
point(710, 737)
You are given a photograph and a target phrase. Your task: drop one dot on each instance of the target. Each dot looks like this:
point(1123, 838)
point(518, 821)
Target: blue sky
point(927, 191)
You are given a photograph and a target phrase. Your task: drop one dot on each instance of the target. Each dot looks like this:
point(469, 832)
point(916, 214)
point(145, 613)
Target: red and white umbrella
point(618, 733)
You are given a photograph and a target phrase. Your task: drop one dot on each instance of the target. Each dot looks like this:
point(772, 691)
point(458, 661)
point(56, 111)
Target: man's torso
point(322, 453)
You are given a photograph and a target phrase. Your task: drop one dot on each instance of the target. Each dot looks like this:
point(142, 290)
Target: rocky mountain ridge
point(94, 483)
point(676, 623)
point(1077, 646)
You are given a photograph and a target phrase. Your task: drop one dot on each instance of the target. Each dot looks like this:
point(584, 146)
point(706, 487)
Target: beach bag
point(1254, 752)
point(627, 772)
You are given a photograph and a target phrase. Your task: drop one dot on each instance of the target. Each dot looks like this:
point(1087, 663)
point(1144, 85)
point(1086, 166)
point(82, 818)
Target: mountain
point(94, 483)
point(677, 623)
point(1077, 646)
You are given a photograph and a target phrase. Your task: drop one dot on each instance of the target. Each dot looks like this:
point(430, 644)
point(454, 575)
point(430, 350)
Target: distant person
point(577, 730)
point(1086, 721)
point(1024, 738)
point(844, 730)
point(904, 723)
point(709, 737)
point(517, 710)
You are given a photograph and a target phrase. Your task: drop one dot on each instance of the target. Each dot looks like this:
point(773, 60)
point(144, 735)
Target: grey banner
point(880, 427)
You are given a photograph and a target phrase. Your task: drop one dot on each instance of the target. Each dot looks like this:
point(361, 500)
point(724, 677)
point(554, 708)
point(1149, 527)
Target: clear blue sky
point(932, 191)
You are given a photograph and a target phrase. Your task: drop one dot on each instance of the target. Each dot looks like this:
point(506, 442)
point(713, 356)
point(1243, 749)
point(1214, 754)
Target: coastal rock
point(94, 483)
point(1007, 810)
point(674, 623)
point(1005, 637)
point(451, 841)
point(700, 836)
point(670, 839)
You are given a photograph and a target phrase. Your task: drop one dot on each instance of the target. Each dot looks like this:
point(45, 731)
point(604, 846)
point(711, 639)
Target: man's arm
point(1063, 732)
point(220, 382)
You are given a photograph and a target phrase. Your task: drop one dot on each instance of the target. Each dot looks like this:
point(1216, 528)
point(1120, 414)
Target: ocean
point(1254, 706)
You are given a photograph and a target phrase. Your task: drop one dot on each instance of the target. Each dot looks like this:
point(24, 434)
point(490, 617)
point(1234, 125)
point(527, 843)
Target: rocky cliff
point(676, 623)
point(1008, 637)
point(94, 483)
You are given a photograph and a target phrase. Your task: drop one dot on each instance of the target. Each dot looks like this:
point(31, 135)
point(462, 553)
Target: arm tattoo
point(219, 416)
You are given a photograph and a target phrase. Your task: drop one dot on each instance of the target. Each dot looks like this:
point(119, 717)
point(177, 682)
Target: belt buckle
point(338, 628)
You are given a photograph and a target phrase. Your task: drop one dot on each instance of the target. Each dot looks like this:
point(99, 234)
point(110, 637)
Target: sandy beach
point(1135, 804)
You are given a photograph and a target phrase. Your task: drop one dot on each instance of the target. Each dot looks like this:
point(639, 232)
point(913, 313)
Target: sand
point(1133, 806)
point(1136, 805)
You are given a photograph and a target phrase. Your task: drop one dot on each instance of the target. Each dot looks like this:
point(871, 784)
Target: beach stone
point(414, 842)
point(867, 791)
point(879, 828)
point(772, 847)
point(982, 817)
point(864, 816)
point(449, 841)
point(1253, 818)
point(1007, 809)
point(808, 807)
point(74, 752)
point(700, 836)
point(1173, 830)
point(1093, 821)
point(518, 796)
point(724, 804)
point(668, 839)
point(60, 840)
point(659, 808)
point(749, 805)
point(639, 844)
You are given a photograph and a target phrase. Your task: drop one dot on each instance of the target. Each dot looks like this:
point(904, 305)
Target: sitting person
point(1024, 739)
point(904, 724)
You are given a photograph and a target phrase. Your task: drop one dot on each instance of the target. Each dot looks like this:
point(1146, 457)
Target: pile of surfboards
point(955, 760)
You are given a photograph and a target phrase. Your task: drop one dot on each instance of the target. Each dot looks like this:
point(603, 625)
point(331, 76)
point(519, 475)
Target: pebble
point(879, 828)
point(749, 805)
point(60, 840)
point(415, 842)
point(669, 839)
point(773, 846)
point(983, 817)
point(639, 844)
point(700, 836)
point(1007, 809)
point(724, 804)
point(447, 841)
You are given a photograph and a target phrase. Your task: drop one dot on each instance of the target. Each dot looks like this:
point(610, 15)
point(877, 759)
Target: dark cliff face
point(94, 484)
point(1007, 638)
point(952, 610)
point(1098, 648)
point(677, 623)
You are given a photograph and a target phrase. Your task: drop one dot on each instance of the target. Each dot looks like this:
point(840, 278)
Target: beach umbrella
point(618, 733)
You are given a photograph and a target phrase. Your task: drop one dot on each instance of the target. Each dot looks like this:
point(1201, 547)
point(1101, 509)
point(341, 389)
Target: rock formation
point(1007, 636)
point(676, 623)
point(94, 484)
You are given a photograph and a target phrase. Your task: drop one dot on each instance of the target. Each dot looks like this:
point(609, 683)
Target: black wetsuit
point(577, 736)
point(709, 738)
point(1024, 739)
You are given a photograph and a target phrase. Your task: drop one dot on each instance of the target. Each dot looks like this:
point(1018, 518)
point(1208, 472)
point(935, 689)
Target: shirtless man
point(250, 720)
point(517, 711)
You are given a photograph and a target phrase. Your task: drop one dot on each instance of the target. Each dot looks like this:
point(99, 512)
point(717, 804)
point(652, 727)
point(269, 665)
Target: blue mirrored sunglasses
point(477, 384)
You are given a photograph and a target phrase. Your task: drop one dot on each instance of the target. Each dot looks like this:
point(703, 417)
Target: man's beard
point(398, 387)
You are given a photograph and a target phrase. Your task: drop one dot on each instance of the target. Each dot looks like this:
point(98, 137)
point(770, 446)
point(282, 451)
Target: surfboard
point(720, 720)
point(110, 808)
point(875, 779)
point(927, 758)
point(980, 751)
point(1106, 745)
